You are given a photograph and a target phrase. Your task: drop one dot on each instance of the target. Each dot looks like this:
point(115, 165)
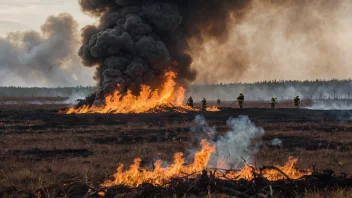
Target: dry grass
point(39, 148)
point(340, 193)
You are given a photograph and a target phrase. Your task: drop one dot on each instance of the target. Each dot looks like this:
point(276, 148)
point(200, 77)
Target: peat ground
point(40, 148)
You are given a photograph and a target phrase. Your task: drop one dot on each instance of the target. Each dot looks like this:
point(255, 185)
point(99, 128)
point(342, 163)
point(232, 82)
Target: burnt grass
point(39, 148)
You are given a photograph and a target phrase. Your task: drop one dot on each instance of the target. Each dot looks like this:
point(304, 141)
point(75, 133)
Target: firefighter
point(296, 102)
point(273, 102)
point(218, 101)
point(204, 105)
point(240, 100)
point(190, 102)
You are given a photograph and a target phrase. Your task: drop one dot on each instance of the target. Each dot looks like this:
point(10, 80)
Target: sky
point(19, 15)
point(290, 41)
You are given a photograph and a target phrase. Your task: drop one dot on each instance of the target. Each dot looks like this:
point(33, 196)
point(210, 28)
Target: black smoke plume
point(137, 40)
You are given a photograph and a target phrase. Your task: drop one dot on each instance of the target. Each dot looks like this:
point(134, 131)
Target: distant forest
point(317, 89)
point(284, 90)
point(45, 92)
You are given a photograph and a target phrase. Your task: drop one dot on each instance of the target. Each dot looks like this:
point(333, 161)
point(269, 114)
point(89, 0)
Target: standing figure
point(240, 100)
point(190, 102)
point(204, 105)
point(273, 102)
point(218, 101)
point(296, 102)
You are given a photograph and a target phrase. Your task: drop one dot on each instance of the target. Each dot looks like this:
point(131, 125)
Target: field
point(39, 148)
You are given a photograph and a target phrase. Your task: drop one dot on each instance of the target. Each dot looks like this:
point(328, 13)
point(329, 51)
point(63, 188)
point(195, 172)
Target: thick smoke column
point(45, 58)
point(137, 40)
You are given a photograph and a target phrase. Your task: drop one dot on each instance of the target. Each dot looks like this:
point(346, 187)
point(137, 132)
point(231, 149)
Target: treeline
point(317, 89)
point(318, 81)
point(45, 92)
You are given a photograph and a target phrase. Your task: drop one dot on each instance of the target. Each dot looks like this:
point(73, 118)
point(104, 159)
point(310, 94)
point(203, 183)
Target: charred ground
point(40, 148)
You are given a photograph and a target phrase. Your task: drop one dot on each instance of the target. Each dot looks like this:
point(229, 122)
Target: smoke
point(45, 58)
point(321, 92)
point(202, 126)
point(276, 142)
point(342, 115)
point(136, 41)
point(332, 105)
point(280, 39)
point(238, 143)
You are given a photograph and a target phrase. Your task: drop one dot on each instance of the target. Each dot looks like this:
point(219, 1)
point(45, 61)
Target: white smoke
point(332, 104)
point(238, 143)
point(202, 126)
point(276, 142)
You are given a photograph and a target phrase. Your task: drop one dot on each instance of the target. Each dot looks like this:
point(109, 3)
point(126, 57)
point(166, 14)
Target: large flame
point(136, 175)
point(169, 96)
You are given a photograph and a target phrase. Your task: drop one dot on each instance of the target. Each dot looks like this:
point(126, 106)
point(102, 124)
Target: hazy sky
point(290, 40)
point(16, 15)
point(23, 15)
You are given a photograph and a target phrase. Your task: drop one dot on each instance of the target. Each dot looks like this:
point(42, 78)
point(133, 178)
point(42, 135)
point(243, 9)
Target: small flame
point(247, 172)
point(170, 96)
point(213, 108)
point(136, 175)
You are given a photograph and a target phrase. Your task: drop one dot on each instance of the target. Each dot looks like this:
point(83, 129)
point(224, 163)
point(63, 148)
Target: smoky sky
point(279, 39)
point(205, 41)
point(136, 41)
point(43, 58)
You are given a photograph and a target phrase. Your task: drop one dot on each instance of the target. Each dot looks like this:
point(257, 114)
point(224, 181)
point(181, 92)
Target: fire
point(247, 172)
point(213, 108)
point(136, 175)
point(169, 96)
point(159, 176)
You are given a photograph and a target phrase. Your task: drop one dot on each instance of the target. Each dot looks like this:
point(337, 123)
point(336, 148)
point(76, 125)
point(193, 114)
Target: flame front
point(169, 96)
point(159, 176)
point(247, 172)
point(136, 175)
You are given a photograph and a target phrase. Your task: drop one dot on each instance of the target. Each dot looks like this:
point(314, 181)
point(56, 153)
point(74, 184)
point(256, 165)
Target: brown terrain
point(40, 148)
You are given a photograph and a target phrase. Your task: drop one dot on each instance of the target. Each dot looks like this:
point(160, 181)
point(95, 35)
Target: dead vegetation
point(42, 150)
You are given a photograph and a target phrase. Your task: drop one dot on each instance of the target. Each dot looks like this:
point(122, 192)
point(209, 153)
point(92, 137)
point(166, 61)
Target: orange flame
point(170, 96)
point(159, 176)
point(136, 175)
point(247, 172)
point(213, 108)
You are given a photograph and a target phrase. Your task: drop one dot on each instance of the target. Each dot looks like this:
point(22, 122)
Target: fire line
point(136, 175)
point(168, 98)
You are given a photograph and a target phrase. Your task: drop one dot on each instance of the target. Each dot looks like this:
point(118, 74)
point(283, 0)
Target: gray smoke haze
point(137, 41)
point(280, 39)
point(237, 143)
point(315, 90)
point(202, 126)
point(46, 58)
point(332, 105)
point(276, 142)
